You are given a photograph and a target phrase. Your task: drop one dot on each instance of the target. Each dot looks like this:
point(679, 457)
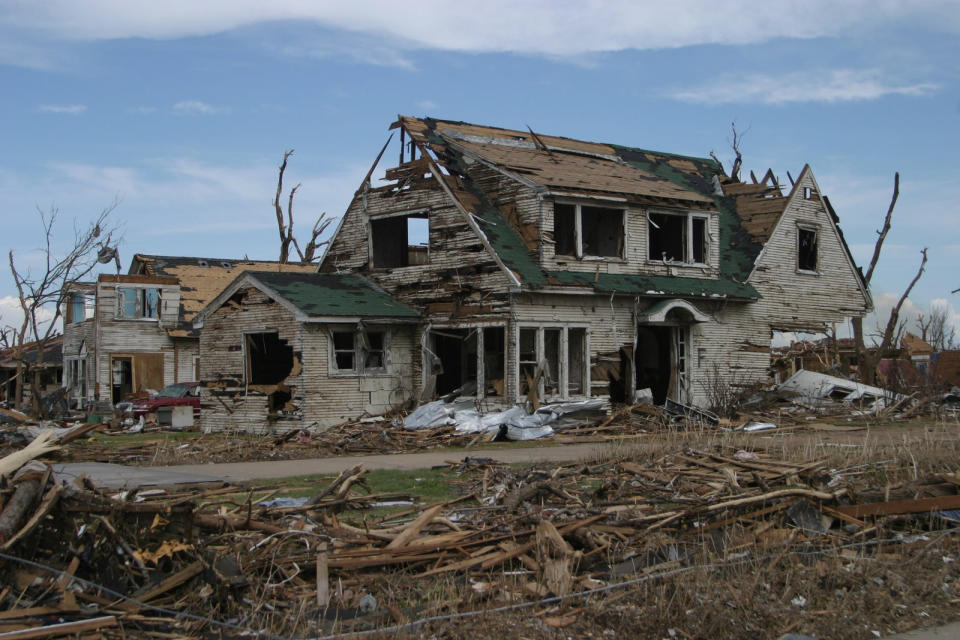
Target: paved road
point(240, 471)
point(946, 632)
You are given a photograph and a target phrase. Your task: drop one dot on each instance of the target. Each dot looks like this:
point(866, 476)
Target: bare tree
point(285, 226)
point(936, 330)
point(41, 291)
point(735, 146)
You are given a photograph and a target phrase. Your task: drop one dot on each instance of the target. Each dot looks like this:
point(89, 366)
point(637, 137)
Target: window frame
point(360, 352)
point(562, 380)
point(688, 239)
point(578, 231)
point(807, 227)
point(139, 303)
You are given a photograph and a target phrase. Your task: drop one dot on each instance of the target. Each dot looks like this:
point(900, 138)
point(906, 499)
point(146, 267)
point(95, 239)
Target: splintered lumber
point(171, 582)
point(414, 528)
point(897, 507)
point(220, 522)
point(62, 629)
point(46, 506)
point(16, 509)
point(41, 444)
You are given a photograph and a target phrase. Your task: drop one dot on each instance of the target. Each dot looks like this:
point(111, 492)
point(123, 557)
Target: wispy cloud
point(427, 104)
point(68, 109)
point(836, 85)
point(196, 107)
point(560, 27)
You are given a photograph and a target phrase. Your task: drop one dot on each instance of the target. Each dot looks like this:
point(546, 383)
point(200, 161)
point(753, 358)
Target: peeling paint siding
point(227, 404)
point(77, 335)
point(186, 351)
point(792, 299)
point(131, 336)
point(461, 279)
point(332, 399)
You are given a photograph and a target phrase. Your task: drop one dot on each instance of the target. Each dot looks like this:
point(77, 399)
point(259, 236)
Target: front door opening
point(655, 362)
point(121, 377)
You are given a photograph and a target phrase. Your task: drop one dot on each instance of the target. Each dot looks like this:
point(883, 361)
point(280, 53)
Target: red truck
point(182, 393)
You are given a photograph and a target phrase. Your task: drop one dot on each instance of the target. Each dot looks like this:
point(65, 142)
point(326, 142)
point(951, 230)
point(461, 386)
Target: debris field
point(232, 561)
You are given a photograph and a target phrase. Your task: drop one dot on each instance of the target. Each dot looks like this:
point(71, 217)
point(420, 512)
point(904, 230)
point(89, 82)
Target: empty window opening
point(457, 351)
point(359, 351)
point(580, 230)
point(677, 238)
point(494, 351)
point(138, 302)
point(400, 241)
point(576, 348)
point(269, 359)
point(807, 193)
point(551, 355)
point(807, 249)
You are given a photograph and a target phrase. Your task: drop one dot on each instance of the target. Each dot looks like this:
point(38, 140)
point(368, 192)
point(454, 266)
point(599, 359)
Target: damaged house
point(541, 267)
point(127, 333)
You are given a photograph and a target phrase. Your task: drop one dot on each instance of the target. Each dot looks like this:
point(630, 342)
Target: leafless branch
point(886, 228)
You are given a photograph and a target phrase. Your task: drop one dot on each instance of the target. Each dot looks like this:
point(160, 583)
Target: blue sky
point(182, 110)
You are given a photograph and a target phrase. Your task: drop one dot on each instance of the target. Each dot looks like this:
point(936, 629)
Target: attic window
point(269, 360)
point(807, 193)
point(806, 249)
point(677, 238)
point(400, 241)
point(581, 230)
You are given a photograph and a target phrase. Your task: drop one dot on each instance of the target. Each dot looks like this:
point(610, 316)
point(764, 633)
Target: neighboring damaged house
point(129, 333)
point(563, 269)
point(45, 365)
point(291, 350)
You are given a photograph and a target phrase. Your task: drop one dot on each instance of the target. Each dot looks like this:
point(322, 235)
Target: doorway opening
point(660, 362)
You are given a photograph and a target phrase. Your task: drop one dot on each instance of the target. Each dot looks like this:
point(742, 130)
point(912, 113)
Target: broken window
point(677, 238)
point(400, 240)
point(359, 351)
point(269, 360)
point(527, 350)
point(81, 307)
point(581, 230)
point(559, 375)
point(138, 302)
point(806, 249)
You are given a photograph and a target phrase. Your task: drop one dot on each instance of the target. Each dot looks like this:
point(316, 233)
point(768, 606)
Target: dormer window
point(586, 231)
point(677, 237)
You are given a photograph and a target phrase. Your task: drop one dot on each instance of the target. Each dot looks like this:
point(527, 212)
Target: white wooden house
point(582, 268)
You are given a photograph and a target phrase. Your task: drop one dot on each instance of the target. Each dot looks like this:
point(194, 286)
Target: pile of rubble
point(195, 561)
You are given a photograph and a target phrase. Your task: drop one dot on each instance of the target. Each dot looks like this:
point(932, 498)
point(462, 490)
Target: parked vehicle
point(182, 393)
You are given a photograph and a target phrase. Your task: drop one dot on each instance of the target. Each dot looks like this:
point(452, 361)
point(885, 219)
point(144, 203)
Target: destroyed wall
point(141, 339)
point(229, 402)
point(459, 279)
point(79, 345)
point(251, 328)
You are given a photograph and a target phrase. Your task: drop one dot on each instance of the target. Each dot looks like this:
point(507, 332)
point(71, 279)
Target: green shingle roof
point(737, 250)
point(333, 294)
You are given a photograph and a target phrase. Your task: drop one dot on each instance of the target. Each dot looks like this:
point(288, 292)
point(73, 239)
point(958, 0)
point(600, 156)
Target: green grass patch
point(423, 485)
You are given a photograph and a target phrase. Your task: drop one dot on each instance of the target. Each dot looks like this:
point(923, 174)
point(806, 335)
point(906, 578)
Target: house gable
point(808, 287)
